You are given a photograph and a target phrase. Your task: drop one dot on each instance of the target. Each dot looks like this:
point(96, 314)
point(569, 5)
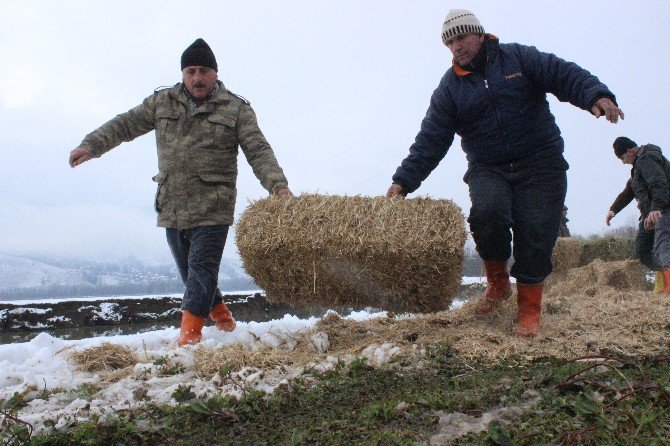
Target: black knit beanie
point(622, 144)
point(198, 54)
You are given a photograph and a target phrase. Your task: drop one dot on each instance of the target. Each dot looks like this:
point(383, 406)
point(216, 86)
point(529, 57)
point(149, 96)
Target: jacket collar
point(490, 44)
point(179, 93)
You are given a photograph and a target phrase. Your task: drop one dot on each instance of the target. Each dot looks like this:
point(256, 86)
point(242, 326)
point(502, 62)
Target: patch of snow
point(479, 279)
point(44, 364)
point(29, 310)
point(86, 307)
point(248, 293)
point(107, 312)
point(164, 314)
point(35, 326)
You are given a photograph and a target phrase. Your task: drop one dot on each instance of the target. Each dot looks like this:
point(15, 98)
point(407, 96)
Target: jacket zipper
point(495, 106)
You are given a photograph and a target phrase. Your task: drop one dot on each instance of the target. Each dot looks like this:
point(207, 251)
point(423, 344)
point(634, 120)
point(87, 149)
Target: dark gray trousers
point(197, 252)
point(523, 199)
point(662, 240)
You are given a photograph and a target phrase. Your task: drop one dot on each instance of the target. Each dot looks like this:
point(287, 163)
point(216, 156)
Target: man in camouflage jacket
point(199, 125)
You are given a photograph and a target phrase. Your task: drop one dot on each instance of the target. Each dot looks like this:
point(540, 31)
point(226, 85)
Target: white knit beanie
point(459, 22)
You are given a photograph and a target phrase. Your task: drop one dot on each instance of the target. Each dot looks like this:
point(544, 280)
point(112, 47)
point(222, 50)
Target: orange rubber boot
point(191, 328)
point(529, 298)
point(224, 320)
point(666, 281)
point(498, 287)
point(659, 283)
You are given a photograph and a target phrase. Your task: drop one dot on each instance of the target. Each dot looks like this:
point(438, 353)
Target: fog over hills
point(23, 277)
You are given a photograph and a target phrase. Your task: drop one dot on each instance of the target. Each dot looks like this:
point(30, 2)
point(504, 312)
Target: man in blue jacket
point(494, 98)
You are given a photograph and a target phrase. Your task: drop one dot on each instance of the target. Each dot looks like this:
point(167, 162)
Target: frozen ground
point(42, 373)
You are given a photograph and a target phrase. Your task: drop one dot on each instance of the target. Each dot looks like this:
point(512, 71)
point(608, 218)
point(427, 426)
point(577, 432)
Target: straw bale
point(105, 357)
point(567, 253)
point(398, 255)
point(609, 249)
point(589, 279)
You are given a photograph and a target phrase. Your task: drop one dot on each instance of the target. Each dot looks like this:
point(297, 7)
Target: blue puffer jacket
point(502, 118)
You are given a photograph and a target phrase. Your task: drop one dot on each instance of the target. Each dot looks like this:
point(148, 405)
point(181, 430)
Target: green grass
point(357, 405)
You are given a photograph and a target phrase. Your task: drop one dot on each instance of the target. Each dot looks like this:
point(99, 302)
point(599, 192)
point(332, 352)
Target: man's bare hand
point(606, 107)
point(652, 218)
point(396, 191)
point(79, 155)
point(610, 215)
point(284, 192)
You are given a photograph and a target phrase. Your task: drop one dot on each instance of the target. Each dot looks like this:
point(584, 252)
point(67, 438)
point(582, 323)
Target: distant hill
point(25, 277)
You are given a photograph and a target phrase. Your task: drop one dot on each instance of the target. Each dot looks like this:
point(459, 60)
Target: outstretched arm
point(569, 83)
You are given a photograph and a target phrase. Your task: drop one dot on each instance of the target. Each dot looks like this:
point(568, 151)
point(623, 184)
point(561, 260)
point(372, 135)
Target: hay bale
point(398, 255)
point(567, 253)
point(624, 275)
point(609, 249)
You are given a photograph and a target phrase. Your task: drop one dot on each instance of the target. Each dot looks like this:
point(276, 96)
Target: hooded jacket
point(197, 153)
point(501, 117)
point(650, 179)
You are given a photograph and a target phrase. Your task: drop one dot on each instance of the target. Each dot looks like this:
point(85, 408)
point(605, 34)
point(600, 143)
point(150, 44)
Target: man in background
point(650, 185)
point(199, 126)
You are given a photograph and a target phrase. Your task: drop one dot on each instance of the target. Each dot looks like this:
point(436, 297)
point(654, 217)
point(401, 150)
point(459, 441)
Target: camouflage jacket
point(197, 153)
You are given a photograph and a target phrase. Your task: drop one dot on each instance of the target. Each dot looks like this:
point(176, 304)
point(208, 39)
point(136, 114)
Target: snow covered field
point(42, 373)
point(45, 377)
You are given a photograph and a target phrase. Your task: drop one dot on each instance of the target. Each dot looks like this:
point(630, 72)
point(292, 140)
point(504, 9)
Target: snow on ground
point(96, 298)
point(42, 373)
point(55, 388)
point(8, 313)
point(479, 279)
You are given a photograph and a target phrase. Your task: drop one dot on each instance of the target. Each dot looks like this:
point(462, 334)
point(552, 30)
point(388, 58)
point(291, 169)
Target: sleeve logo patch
point(513, 75)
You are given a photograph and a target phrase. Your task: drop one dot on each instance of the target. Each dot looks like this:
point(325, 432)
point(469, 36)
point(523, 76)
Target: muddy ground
point(81, 319)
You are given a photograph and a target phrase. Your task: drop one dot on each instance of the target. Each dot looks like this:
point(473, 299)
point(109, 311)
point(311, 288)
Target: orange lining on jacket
point(462, 71)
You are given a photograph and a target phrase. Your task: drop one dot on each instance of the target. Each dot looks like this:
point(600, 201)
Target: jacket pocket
point(167, 125)
point(223, 183)
point(222, 129)
point(216, 195)
point(159, 200)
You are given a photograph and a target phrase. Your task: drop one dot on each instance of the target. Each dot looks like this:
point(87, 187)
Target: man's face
point(628, 157)
point(465, 47)
point(200, 81)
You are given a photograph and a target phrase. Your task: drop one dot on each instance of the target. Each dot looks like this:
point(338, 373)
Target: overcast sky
point(339, 87)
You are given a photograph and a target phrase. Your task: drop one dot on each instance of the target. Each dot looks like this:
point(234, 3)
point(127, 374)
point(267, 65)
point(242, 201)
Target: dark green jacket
point(650, 179)
point(197, 153)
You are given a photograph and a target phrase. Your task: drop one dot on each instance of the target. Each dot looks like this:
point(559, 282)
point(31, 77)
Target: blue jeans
point(524, 199)
point(197, 252)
